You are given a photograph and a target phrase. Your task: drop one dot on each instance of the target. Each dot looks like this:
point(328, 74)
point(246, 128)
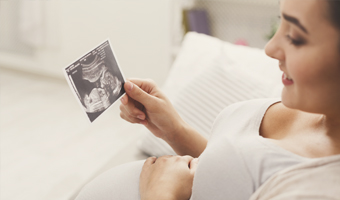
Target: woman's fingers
point(193, 165)
point(165, 158)
point(164, 177)
point(146, 168)
point(133, 119)
point(150, 161)
point(140, 94)
point(130, 109)
point(124, 99)
point(191, 162)
point(145, 84)
point(187, 159)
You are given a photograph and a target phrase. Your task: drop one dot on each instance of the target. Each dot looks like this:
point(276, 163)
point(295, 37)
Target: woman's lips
point(286, 81)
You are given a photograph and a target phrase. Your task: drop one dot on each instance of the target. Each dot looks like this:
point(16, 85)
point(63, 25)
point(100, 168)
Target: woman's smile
point(286, 80)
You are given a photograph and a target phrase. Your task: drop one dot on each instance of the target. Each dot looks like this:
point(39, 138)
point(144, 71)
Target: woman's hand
point(144, 103)
point(147, 105)
point(167, 178)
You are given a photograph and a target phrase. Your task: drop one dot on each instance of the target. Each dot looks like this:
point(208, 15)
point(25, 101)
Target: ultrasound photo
point(96, 80)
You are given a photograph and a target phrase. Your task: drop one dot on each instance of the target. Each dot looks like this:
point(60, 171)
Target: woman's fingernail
point(131, 86)
point(122, 100)
point(141, 117)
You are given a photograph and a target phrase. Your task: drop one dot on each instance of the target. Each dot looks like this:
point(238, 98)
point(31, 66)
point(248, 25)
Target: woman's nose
point(274, 48)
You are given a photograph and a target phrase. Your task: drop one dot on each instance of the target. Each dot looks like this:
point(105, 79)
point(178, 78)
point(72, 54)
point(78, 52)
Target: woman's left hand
point(167, 178)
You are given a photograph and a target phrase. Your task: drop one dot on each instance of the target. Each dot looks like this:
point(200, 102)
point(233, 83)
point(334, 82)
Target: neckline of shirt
point(260, 115)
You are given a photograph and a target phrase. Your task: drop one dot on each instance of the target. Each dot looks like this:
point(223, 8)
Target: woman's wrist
point(181, 128)
point(187, 141)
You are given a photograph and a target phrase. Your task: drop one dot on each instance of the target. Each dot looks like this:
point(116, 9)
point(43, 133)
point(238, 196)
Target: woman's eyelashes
point(296, 42)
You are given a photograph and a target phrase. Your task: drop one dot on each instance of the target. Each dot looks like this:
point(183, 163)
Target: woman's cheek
point(302, 71)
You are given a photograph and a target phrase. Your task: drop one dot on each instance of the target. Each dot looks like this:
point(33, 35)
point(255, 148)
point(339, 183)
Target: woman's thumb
point(137, 93)
point(193, 165)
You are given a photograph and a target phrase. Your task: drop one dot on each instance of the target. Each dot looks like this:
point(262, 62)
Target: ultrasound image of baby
point(103, 86)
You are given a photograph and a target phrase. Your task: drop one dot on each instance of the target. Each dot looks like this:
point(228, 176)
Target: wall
point(139, 31)
point(250, 20)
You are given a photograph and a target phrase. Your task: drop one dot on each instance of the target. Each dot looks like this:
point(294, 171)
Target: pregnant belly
point(121, 182)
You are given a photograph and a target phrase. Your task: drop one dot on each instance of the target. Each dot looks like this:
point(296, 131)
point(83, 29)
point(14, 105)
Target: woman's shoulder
point(249, 106)
point(244, 110)
point(241, 116)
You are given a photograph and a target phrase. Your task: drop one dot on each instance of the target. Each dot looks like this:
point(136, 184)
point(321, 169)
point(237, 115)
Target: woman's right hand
point(144, 103)
point(167, 177)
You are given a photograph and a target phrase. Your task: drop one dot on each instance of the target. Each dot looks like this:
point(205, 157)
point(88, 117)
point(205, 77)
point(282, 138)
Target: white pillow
point(209, 75)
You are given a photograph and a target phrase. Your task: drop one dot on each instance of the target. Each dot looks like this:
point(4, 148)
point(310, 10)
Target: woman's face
point(307, 47)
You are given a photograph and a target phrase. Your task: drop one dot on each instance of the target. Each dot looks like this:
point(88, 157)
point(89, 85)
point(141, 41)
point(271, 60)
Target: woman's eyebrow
point(294, 21)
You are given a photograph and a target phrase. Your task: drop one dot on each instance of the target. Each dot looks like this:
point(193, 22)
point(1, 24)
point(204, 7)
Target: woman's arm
point(187, 141)
point(147, 105)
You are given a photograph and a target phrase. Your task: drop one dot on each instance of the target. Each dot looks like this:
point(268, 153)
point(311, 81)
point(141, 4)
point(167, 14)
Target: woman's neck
point(326, 133)
point(330, 125)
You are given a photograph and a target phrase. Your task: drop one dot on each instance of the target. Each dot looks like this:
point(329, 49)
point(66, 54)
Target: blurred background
point(49, 150)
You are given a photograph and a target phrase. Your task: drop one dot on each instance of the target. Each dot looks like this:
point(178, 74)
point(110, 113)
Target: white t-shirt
point(235, 163)
point(237, 160)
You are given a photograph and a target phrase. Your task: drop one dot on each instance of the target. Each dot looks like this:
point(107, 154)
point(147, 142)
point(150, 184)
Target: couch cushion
point(209, 75)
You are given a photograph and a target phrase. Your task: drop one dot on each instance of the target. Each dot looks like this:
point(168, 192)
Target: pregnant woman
point(250, 141)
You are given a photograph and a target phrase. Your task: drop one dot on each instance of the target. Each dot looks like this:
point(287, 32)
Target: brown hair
point(334, 9)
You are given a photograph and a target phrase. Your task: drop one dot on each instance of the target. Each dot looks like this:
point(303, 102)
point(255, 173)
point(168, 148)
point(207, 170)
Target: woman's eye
point(294, 41)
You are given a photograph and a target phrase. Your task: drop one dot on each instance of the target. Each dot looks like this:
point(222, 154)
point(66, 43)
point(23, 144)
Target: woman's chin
point(287, 98)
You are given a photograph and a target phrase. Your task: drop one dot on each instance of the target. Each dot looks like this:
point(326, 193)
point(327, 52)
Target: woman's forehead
point(310, 13)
